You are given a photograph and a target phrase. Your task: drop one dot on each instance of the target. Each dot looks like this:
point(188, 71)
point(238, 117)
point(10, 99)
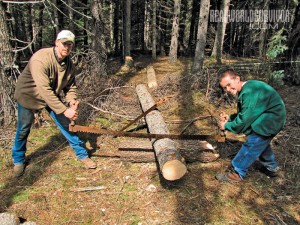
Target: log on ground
point(171, 163)
point(152, 82)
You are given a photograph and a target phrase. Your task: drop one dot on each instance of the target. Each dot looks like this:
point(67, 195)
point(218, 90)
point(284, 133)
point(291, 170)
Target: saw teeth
point(89, 132)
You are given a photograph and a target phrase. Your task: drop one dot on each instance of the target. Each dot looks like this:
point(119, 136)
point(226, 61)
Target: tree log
point(152, 82)
point(171, 163)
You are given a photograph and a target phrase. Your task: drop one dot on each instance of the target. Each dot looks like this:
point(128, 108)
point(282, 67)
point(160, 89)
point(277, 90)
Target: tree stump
point(171, 163)
point(128, 65)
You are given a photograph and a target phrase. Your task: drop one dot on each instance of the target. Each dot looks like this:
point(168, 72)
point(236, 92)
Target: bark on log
point(171, 163)
point(152, 82)
point(141, 150)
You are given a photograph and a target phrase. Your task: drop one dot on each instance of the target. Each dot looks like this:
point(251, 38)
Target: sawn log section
point(171, 163)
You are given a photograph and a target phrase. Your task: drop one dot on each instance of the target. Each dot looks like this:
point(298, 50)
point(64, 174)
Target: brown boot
point(230, 176)
point(19, 170)
point(88, 163)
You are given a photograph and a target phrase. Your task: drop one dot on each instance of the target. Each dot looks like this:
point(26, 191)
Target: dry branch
point(93, 188)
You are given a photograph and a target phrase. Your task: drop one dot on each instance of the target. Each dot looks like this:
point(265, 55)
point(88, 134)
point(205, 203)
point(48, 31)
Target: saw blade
point(91, 130)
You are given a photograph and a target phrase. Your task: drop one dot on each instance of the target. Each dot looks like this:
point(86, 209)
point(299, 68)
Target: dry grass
point(135, 193)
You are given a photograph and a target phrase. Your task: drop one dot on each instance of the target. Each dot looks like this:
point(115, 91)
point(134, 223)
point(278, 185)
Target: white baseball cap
point(66, 35)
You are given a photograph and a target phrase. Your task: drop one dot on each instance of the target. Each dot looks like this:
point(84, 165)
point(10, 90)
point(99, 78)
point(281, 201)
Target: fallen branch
point(191, 122)
point(95, 188)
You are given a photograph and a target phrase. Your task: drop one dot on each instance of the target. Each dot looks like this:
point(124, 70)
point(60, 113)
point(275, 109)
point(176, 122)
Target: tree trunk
point(18, 23)
point(175, 32)
point(111, 26)
point(232, 37)
point(28, 28)
point(221, 28)
point(142, 24)
point(263, 34)
point(242, 35)
point(61, 25)
point(201, 36)
point(7, 84)
point(37, 24)
point(296, 73)
point(116, 27)
point(183, 14)
point(154, 30)
point(171, 163)
point(85, 22)
point(98, 42)
point(192, 34)
point(57, 28)
point(71, 16)
point(127, 27)
point(162, 33)
point(147, 25)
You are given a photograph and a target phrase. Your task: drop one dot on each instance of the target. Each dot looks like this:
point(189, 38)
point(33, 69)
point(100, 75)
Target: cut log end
point(173, 170)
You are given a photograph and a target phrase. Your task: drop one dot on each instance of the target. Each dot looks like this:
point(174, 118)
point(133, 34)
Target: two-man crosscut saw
point(85, 129)
point(77, 128)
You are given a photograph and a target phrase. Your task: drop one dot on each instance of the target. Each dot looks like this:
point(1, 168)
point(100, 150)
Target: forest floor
point(134, 193)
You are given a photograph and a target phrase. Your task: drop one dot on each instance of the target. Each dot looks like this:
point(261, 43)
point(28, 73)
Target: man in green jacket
point(261, 115)
point(48, 75)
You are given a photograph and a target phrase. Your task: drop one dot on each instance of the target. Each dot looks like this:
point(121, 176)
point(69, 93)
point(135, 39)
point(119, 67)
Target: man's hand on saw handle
point(223, 118)
point(72, 111)
point(74, 104)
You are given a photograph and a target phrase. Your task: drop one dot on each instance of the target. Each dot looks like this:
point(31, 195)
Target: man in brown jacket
point(48, 74)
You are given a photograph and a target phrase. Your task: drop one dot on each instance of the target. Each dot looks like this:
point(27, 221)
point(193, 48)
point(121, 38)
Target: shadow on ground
point(37, 163)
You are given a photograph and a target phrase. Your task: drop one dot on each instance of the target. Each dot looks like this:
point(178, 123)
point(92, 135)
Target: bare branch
point(69, 18)
point(75, 10)
point(22, 2)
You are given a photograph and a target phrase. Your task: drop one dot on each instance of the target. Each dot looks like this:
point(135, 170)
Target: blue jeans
point(25, 119)
point(256, 147)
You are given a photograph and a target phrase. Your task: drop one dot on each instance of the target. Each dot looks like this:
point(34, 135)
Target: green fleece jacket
point(260, 109)
point(43, 80)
